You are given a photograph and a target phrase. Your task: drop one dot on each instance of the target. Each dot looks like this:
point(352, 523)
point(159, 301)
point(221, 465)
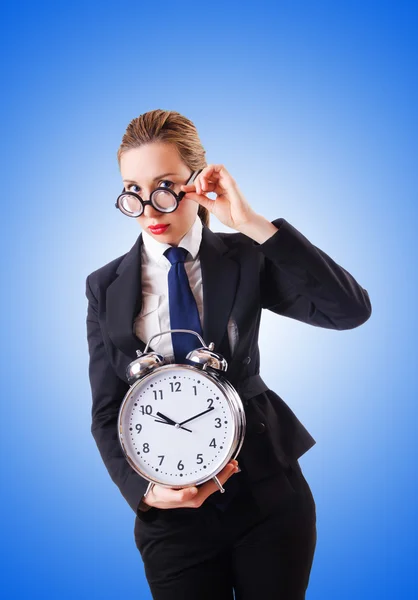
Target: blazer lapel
point(124, 301)
point(219, 277)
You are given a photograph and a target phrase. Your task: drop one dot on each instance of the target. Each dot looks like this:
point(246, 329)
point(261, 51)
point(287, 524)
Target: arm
point(300, 281)
point(108, 391)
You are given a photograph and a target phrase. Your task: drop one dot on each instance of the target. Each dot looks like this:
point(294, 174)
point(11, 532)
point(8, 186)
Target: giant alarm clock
point(180, 424)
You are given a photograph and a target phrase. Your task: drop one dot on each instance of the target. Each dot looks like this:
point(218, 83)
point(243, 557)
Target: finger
point(208, 203)
point(211, 174)
point(178, 496)
point(201, 186)
point(206, 186)
point(217, 173)
point(206, 182)
point(210, 487)
point(225, 474)
point(209, 177)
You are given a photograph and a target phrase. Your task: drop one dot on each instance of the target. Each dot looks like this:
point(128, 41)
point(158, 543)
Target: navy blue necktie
point(184, 313)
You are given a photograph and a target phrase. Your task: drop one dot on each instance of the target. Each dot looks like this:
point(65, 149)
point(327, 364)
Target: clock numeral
point(195, 390)
point(211, 402)
point(213, 443)
point(162, 456)
point(156, 392)
point(146, 410)
point(219, 423)
point(177, 385)
point(199, 459)
point(180, 465)
point(138, 427)
point(145, 447)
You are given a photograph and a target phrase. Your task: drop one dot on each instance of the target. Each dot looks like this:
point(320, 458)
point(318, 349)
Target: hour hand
point(160, 414)
point(169, 421)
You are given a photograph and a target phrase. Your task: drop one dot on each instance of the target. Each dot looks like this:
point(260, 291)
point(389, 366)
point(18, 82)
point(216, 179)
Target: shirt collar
point(191, 241)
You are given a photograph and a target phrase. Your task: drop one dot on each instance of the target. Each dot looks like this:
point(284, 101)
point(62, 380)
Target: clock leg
point(218, 483)
point(150, 485)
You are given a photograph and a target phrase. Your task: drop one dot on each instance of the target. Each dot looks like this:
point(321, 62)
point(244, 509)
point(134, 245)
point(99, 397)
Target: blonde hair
point(171, 127)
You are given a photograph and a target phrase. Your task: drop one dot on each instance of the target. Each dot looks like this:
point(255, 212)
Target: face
point(153, 165)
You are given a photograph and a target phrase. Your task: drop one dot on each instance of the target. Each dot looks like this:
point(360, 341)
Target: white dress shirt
point(154, 316)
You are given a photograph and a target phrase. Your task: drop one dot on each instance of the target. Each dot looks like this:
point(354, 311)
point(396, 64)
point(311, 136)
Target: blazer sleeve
point(108, 391)
point(300, 281)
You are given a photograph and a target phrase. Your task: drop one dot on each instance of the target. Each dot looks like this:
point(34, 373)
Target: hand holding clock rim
point(188, 497)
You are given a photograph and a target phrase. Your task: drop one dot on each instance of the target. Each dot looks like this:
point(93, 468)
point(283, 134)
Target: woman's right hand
point(188, 497)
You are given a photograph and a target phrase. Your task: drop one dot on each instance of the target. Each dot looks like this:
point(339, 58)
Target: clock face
point(177, 425)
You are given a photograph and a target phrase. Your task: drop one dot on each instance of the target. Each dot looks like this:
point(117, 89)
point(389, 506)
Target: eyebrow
point(155, 178)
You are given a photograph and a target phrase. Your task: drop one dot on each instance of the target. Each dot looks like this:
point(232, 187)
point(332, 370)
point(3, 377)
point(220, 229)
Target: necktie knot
point(176, 254)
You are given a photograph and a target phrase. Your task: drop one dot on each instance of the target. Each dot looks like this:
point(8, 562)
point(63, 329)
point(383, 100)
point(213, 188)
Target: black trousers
point(248, 550)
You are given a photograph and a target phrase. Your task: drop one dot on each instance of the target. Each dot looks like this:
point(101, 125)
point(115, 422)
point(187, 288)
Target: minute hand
point(195, 417)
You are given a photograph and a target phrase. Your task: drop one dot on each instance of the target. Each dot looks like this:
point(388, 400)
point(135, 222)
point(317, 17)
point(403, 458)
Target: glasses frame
point(178, 197)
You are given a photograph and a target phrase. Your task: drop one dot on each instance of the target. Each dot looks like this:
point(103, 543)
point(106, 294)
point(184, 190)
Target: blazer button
point(246, 360)
point(260, 427)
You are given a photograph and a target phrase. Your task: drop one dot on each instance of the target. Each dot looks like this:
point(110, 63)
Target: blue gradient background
point(312, 108)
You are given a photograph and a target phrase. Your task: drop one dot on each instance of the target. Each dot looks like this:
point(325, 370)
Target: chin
point(166, 237)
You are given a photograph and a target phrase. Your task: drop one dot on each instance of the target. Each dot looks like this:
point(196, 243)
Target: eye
point(165, 181)
point(137, 191)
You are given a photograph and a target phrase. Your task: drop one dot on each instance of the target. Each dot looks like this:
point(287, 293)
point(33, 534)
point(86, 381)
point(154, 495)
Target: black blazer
point(286, 274)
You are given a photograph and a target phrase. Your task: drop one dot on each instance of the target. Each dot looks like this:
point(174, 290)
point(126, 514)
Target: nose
point(150, 211)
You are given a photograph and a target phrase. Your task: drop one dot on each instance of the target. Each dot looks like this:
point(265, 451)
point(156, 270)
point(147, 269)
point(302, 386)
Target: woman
point(258, 538)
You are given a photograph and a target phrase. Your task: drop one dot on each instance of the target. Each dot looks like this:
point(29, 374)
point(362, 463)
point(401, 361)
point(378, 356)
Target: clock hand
point(160, 414)
point(195, 417)
point(165, 423)
point(169, 421)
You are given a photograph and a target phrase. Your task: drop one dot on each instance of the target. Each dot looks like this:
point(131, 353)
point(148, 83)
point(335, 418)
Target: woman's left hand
point(229, 206)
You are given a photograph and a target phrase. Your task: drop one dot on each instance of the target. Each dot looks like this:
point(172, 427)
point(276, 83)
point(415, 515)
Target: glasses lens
point(164, 201)
point(130, 205)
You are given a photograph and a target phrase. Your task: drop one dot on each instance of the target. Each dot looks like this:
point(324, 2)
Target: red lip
point(158, 228)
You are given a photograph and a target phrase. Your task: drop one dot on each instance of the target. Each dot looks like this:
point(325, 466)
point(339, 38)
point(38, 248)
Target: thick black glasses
point(162, 199)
